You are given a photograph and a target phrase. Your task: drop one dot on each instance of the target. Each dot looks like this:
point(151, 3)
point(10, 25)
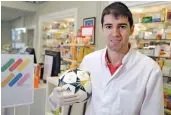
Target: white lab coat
point(136, 88)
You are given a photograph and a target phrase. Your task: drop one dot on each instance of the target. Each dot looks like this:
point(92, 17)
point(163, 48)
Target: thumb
point(58, 89)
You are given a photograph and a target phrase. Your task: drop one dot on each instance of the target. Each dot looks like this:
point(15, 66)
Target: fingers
point(59, 89)
point(70, 103)
point(62, 97)
point(70, 96)
point(52, 102)
point(51, 94)
point(74, 99)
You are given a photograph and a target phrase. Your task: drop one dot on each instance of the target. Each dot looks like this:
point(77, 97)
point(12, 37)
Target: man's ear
point(132, 30)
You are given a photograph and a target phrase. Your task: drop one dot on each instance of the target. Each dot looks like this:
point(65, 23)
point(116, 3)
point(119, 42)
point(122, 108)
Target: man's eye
point(122, 27)
point(108, 27)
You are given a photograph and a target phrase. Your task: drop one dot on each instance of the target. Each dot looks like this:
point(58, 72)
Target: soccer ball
point(78, 82)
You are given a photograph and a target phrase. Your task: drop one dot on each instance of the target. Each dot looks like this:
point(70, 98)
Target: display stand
point(37, 108)
point(17, 84)
point(19, 97)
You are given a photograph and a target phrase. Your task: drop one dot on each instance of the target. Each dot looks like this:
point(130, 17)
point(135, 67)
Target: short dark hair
point(117, 9)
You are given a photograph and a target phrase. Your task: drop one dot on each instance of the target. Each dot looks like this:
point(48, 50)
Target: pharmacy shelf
point(159, 57)
point(167, 111)
point(154, 56)
point(167, 76)
point(61, 29)
point(159, 40)
point(167, 86)
point(151, 23)
point(77, 45)
point(70, 60)
point(156, 39)
point(156, 23)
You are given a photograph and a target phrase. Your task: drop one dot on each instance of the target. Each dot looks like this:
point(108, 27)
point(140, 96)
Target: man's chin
point(115, 49)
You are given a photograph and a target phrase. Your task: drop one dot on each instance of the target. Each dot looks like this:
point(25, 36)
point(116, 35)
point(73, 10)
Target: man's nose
point(115, 32)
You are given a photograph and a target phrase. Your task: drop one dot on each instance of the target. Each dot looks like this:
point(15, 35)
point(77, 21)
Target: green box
point(147, 19)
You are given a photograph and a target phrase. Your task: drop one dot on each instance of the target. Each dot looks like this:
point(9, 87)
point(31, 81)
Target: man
point(124, 81)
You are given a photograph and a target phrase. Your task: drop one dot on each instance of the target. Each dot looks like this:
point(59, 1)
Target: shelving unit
point(167, 111)
point(167, 86)
point(58, 36)
point(70, 60)
point(159, 57)
point(152, 39)
point(150, 31)
point(149, 38)
point(77, 45)
point(54, 33)
point(165, 24)
point(167, 76)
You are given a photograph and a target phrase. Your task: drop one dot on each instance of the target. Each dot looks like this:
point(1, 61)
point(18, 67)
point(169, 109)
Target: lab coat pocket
point(126, 103)
point(116, 108)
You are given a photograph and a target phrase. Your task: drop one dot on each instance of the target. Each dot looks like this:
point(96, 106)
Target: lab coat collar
point(125, 59)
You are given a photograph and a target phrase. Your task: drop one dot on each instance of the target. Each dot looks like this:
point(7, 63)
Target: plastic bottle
point(157, 50)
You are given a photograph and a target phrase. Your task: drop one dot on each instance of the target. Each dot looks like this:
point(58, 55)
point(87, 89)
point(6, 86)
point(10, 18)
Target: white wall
point(18, 23)
point(100, 40)
point(30, 20)
point(20, 5)
point(5, 33)
point(25, 21)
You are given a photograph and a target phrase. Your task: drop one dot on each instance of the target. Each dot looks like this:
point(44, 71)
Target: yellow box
point(168, 35)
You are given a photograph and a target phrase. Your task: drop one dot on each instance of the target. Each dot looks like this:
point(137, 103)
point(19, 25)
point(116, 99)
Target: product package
point(80, 54)
point(165, 51)
point(156, 17)
point(166, 70)
point(87, 51)
point(147, 19)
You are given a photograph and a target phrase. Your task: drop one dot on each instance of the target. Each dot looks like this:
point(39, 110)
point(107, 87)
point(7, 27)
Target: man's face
point(117, 32)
